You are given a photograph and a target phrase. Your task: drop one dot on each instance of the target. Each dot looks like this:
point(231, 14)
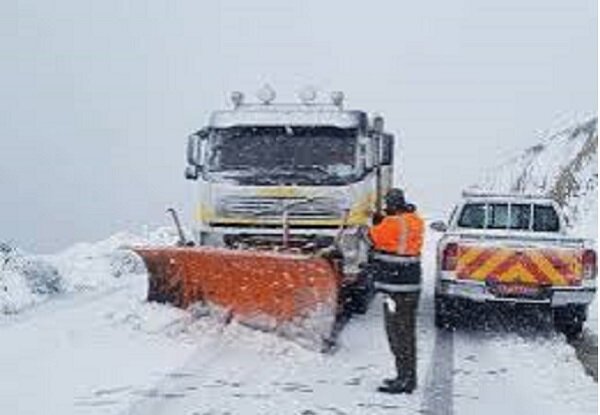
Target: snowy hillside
point(564, 166)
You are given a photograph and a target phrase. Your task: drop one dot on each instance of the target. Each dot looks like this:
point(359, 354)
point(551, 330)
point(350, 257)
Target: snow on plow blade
point(293, 295)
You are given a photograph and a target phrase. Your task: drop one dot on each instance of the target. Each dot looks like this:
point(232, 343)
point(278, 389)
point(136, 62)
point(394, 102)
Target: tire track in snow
point(438, 393)
point(438, 388)
point(259, 374)
point(516, 353)
point(147, 403)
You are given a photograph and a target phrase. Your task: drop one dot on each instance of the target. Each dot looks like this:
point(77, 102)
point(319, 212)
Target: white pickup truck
point(513, 248)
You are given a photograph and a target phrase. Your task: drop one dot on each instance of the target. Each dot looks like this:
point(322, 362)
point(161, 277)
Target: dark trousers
point(400, 311)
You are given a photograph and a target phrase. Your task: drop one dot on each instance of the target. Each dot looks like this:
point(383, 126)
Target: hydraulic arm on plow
point(282, 192)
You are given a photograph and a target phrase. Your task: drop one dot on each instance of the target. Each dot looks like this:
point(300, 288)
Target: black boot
point(395, 386)
point(389, 381)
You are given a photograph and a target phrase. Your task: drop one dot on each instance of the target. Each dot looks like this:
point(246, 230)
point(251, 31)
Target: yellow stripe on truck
point(572, 259)
point(536, 266)
point(484, 271)
point(519, 274)
point(547, 268)
point(468, 256)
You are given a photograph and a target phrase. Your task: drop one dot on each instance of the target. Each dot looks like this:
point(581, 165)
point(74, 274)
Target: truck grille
point(272, 208)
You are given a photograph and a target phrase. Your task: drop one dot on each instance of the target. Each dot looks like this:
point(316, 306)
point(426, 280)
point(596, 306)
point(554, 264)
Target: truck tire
point(569, 320)
point(445, 313)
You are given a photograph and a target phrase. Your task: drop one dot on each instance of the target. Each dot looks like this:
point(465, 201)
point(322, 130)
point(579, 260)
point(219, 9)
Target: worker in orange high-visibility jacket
point(396, 243)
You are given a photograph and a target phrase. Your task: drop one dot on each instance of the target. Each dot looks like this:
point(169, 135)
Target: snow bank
point(200, 326)
point(87, 266)
point(27, 280)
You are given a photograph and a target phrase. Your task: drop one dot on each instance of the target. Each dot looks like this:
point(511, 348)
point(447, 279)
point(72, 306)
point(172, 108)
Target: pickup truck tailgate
point(520, 265)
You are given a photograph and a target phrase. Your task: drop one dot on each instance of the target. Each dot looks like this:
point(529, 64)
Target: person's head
point(394, 201)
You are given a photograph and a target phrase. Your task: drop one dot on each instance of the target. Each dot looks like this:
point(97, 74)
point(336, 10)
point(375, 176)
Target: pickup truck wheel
point(569, 320)
point(445, 313)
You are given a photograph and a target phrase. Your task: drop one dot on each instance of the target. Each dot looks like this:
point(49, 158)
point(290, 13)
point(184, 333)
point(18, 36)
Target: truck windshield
point(301, 153)
point(515, 216)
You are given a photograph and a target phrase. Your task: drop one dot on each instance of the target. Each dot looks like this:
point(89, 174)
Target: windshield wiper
point(315, 168)
point(234, 172)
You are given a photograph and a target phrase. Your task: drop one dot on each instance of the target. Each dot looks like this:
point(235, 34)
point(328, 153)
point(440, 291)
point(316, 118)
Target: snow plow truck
point(282, 191)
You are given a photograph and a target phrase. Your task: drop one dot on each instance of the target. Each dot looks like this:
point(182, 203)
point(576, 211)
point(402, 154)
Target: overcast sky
point(98, 96)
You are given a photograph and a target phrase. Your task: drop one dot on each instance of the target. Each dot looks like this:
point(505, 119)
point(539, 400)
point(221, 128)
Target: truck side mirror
point(365, 159)
point(193, 150)
point(192, 172)
point(439, 226)
point(378, 124)
point(195, 154)
point(387, 149)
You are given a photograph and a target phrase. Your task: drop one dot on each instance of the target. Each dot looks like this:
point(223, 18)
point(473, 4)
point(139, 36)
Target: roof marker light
point(337, 97)
point(237, 98)
point(266, 94)
point(308, 95)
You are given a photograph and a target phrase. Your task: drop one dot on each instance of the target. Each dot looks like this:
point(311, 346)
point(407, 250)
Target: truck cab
point(269, 174)
point(513, 248)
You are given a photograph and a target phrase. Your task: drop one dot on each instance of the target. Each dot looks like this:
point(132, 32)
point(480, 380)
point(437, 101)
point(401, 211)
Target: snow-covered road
point(70, 354)
point(110, 352)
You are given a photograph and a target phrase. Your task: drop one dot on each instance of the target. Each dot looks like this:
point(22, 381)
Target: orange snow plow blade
point(292, 294)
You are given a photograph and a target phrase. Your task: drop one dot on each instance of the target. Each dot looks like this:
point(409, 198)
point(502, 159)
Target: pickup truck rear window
point(515, 216)
point(520, 216)
point(545, 219)
point(498, 216)
point(472, 216)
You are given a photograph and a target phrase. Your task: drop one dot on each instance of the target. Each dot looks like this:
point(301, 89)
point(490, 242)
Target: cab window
point(498, 216)
point(545, 219)
point(520, 216)
point(515, 216)
point(472, 216)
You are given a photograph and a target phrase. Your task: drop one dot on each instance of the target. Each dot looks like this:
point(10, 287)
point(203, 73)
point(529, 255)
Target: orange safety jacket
point(400, 234)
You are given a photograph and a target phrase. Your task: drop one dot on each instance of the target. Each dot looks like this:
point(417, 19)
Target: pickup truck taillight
point(590, 267)
point(450, 257)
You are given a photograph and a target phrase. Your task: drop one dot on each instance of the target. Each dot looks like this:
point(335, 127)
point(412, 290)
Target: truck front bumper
point(350, 243)
point(480, 292)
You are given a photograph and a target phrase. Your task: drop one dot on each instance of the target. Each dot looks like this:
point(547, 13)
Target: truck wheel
point(569, 320)
point(445, 313)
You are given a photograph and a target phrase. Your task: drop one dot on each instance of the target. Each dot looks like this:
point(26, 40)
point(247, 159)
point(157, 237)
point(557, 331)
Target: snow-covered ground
point(99, 348)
